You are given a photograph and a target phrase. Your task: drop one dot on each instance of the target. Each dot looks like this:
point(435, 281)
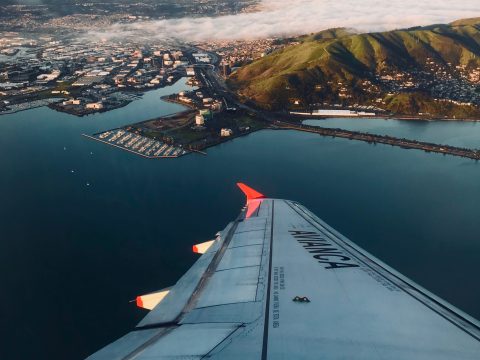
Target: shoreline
point(405, 118)
point(137, 93)
point(17, 111)
point(386, 117)
point(46, 104)
point(167, 98)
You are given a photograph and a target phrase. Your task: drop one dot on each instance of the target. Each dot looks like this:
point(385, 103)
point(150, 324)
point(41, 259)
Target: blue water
point(456, 133)
point(72, 256)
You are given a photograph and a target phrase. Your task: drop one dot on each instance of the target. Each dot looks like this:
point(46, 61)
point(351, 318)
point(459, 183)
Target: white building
point(94, 106)
point(201, 58)
point(199, 120)
point(44, 78)
point(226, 132)
point(71, 102)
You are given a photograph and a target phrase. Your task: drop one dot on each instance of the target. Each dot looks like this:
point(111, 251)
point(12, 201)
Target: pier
point(381, 139)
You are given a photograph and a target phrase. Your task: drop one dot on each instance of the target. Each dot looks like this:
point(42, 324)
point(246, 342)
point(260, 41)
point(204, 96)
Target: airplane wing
point(279, 283)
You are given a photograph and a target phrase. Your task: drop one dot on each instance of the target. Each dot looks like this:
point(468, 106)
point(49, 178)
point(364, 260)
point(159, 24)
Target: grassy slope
point(338, 56)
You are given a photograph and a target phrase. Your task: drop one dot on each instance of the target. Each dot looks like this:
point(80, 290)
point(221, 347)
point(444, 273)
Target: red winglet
point(250, 193)
point(139, 302)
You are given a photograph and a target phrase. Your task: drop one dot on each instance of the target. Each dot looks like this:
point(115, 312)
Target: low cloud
point(294, 17)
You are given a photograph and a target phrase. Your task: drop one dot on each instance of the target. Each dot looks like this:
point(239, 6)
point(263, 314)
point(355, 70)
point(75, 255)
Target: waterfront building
point(226, 132)
point(71, 102)
point(94, 106)
point(199, 120)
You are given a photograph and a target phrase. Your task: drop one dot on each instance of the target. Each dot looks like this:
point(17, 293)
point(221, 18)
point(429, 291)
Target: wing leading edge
point(279, 283)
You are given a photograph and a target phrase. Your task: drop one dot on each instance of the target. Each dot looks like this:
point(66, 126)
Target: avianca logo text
point(322, 250)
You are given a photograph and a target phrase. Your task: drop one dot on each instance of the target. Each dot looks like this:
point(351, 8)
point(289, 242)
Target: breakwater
point(381, 139)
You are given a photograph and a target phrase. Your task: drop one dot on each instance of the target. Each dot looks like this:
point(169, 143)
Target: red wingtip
point(195, 249)
point(250, 193)
point(139, 302)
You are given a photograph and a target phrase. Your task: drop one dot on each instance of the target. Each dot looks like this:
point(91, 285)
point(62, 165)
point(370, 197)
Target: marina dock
point(138, 144)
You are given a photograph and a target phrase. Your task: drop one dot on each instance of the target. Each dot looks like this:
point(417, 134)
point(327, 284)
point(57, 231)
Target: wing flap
point(243, 256)
point(126, 345)
point(247, 239)
point(230, 286)
point(190, 341)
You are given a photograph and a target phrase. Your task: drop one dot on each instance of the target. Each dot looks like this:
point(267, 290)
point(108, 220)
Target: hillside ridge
point(402, 71)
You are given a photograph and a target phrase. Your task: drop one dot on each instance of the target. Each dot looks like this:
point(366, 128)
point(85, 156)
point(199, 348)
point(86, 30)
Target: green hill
point(336, 66)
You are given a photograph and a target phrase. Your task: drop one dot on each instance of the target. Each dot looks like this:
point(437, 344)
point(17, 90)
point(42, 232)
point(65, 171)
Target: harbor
point(138, 144)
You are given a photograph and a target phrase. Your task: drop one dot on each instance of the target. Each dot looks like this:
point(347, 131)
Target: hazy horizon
point(296, 17)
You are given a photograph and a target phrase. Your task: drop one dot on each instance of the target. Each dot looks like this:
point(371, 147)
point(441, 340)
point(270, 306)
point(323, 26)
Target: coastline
point(384, 117)
point(136, 93)
point(36, 106)
point(169, 99)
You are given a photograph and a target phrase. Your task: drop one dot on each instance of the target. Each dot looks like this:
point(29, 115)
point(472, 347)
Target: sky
point(295, 17)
